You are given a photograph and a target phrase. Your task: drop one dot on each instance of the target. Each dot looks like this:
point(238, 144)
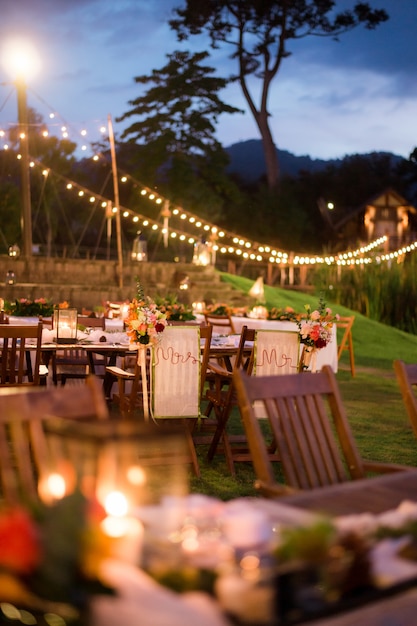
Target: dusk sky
point(329, 98)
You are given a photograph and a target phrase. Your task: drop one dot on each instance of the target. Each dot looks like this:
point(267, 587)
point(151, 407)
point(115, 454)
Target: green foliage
point(180, 110)
point(29, 308)
point(174, 127)
point(386, 292)
point(174, 310)
point(376, 344)
point(310, 543)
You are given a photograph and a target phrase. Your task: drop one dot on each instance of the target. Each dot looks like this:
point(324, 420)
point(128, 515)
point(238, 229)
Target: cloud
point(328, 97)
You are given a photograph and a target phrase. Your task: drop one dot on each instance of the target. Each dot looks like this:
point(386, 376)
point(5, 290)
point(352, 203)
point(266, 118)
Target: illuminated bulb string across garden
point(226, 242)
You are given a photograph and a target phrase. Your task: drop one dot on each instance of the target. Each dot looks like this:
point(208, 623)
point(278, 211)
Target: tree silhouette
point(259, 33)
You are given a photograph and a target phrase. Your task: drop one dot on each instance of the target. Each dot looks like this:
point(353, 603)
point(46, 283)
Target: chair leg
point(352, 357)
point(220, 434)
point(191, 446)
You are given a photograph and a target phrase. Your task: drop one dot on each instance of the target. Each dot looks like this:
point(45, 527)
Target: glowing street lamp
point(21, 61)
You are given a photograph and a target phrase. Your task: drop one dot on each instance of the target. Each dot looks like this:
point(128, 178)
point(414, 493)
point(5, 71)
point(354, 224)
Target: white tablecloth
point(325, 356)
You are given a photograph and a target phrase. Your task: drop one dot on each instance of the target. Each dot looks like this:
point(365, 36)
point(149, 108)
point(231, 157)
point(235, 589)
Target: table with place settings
point(325, 356)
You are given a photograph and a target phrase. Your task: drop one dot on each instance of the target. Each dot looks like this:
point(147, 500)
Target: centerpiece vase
point(308, 360)
point(141, 360)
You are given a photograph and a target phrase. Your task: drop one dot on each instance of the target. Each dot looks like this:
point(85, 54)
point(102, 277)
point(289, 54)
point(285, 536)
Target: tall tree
point(181, 109)
point(259, 32)
point(174, 127)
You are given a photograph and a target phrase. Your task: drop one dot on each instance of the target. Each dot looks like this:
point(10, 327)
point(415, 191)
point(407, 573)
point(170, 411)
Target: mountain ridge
point(247, 160)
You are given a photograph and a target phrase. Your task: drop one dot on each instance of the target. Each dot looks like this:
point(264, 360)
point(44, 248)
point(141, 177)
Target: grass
point(372, 398)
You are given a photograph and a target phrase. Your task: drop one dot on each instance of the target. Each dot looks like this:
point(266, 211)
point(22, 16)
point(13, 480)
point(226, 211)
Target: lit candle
point(64, 331)
point(125, 530)
point(52, 487)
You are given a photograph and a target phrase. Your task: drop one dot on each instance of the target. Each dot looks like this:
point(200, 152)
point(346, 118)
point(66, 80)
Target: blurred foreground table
point(373, 495)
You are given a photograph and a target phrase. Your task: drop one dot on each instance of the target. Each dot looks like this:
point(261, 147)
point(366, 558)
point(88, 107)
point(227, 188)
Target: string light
point(239, 246)
point(261, 252)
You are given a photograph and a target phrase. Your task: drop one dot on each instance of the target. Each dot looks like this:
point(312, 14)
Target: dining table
point(365, 495)
point(112, 344)
point(324, 356)
point(141, 600)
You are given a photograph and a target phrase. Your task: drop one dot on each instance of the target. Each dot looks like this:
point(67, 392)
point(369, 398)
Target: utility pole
point(116, 202)
point(26, 209)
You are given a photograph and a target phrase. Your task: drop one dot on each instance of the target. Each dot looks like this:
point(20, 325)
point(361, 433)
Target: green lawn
point(372, 398)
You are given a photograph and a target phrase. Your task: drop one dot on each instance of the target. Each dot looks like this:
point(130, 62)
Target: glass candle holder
point(65, 325)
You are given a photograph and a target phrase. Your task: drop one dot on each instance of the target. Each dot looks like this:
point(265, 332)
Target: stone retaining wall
point(87, 283)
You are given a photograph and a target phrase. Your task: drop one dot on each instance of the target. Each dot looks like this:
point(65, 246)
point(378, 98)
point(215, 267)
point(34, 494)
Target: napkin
point(141, 601)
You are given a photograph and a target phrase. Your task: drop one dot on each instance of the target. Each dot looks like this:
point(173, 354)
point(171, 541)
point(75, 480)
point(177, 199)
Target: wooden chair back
point(170, 385)
point(17, 356)
point(179, 367)
point(346, 341)
point(91, 322)
point(313, 437)
point(407, 380)
point(23, 446)
point(179, 370)
point(221, 323)
point(129, 395)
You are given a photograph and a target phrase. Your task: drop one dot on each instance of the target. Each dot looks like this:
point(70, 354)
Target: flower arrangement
point(50, 558)
point(23, 307)
point(219, 308)
point(316, 326)
point(174, 310)
point(259, 311)
point(145, 321)
point(285, 314)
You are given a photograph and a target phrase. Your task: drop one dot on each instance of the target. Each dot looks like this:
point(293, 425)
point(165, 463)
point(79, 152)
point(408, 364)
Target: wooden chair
point(178, 377)
point(20, 347)
point(407, 380)
point(219, 397)
point(73, 363)
point(346, 341)
point(273, 352)
point(129, 385)
point(221, 323)
point(23, 448)
point(89, 321)
point(311, 430)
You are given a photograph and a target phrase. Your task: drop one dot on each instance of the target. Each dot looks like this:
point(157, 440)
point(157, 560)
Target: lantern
point(10, 277)
point(123, 467)
point(139, 462)
point(257, 290)
point(65, 325)
point(139, 248)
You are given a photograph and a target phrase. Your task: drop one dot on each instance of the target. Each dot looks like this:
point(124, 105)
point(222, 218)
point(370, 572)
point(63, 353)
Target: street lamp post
point(26, 210)
point(21, 61)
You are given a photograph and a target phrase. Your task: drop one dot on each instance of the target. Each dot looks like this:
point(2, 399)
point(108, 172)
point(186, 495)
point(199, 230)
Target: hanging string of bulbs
point(223, 241)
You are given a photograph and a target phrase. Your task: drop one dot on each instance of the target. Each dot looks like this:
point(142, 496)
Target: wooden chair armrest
point(385, 468)
point(274, 490)
point(219, 371)
point(119, 373)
